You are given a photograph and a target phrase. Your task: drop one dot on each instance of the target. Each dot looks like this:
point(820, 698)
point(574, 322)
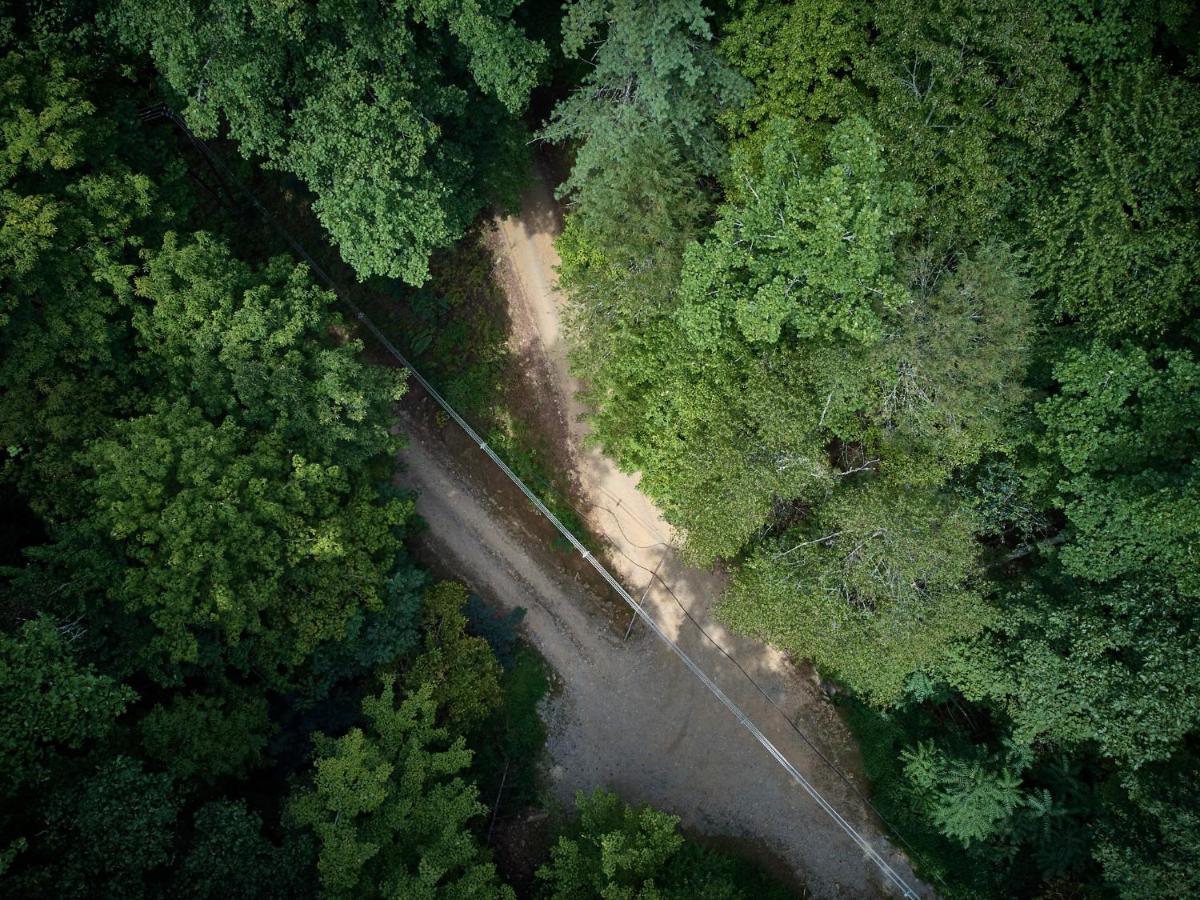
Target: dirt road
point(629, 715)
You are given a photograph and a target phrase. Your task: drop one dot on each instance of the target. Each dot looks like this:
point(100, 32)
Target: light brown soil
point(628, 715)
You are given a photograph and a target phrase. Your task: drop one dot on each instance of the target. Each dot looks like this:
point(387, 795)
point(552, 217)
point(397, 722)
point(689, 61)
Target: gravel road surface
point(629, 715)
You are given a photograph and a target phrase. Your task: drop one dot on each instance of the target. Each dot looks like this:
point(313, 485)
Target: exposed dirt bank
point(641, 542)
point(629, 716)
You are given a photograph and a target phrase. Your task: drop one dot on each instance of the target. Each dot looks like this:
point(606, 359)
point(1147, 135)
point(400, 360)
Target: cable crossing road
point(890, 875)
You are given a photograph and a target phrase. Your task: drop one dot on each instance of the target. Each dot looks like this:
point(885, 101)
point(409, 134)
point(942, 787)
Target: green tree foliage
point(927, 383)
point(805, 250)
point(1095, 33)
point(798, 331)
point(398, 117)
point(796, 56)
point(622, 254)
point(1122, 436)
point(642, 132)
point(737, 440)
point(204, 737)
point(892, 305)
point(970, 797)
point(1097, 647)
point(373, 639)
point(644, 140)
point(955, 90)
point(388, 809)
point(230, 857)
point(653, 73)
point(508, 745)
point(207, 454)
point(1119, 244)
point(1082, 664)
point(873, 587)
point(978, 807)
point(234, 337)
point(255, 527)
point(75, 214)
point(459, 669)
point(962, 92)
point(950, 369)
point(51, 702)
point(1148, 843)
point(256, 473)
point(108, 833)
point(616, 851)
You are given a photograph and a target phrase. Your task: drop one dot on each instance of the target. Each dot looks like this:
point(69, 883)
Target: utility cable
point(655, 576)
point(849, 782)
point(744, 720)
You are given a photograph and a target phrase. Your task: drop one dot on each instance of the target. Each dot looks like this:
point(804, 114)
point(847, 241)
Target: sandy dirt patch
point(642, 552)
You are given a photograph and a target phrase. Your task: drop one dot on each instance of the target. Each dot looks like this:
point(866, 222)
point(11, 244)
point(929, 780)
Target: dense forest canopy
point(221, 672)
point(401, 118)
point(917, 358)
point(893, 305)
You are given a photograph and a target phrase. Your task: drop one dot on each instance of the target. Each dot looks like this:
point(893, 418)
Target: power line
point(655, 575)
point(791, 722)
point(669, 547)
point(164, 111)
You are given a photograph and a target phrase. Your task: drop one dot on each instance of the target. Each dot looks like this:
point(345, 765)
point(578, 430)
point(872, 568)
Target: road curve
point(628, 715)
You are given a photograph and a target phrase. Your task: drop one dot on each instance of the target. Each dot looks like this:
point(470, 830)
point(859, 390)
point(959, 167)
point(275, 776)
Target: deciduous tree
point(458, 668)
point(1119, 245)
point(52, 702)
point(875, 586)
point(398, 117)
point(390, 812)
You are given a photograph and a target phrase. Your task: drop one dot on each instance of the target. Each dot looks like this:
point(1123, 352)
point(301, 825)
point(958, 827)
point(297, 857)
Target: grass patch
point(519, 447)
